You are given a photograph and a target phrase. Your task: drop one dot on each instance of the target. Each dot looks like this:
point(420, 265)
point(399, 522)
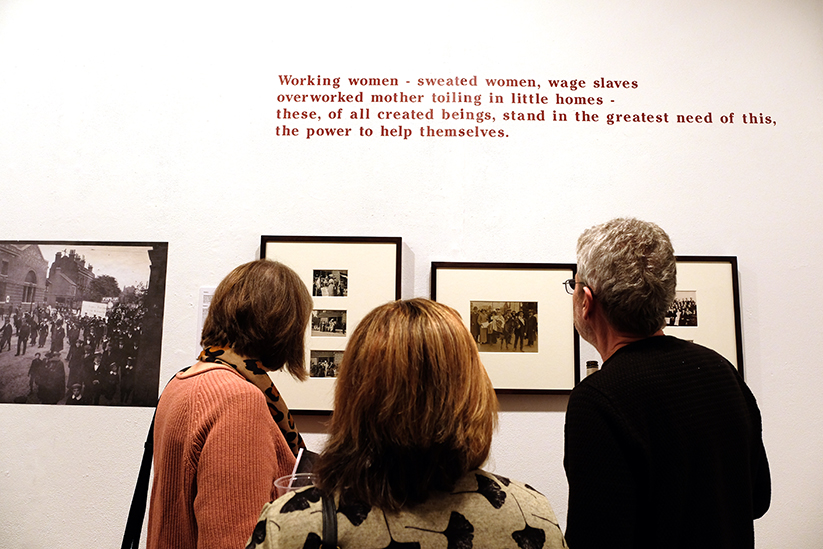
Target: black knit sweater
point(664, 450)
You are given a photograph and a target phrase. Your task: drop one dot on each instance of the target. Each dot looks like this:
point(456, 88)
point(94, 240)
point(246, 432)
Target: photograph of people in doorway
point(328, 322)
point(330, 283)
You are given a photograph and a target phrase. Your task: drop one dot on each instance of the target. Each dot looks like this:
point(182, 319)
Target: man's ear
point(587, 307)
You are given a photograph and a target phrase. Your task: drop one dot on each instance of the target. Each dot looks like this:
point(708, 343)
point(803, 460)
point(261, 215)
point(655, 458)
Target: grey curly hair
point(630, 267)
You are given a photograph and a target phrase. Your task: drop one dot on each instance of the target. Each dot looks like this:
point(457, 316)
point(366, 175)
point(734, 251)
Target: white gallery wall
point(157, 121)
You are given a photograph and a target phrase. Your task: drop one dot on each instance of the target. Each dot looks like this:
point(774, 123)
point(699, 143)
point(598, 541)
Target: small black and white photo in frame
point(325, 363)
point(330, 283)
point(683, 311)
point(504, 326)
point(81, 322)
point(328, 322)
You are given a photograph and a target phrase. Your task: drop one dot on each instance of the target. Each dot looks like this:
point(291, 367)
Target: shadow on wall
point(533, 403)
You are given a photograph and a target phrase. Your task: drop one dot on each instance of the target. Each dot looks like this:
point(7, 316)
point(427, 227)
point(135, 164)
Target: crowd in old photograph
point(74, 359)
point(682, 312)
point(504, 326)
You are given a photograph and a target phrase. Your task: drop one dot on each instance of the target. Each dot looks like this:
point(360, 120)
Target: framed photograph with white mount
point(521, 318)
point(706, 309)
point(347, 277)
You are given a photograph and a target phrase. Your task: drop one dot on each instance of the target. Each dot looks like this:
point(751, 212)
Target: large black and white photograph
point(81, 322)
point(683, 311)
point(504, 326)
point(330, 283)
point(328, 322)
point(324, 363)
point(522, 351)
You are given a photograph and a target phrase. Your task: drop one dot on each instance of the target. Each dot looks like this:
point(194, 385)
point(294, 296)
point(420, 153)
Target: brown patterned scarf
point(252, 369)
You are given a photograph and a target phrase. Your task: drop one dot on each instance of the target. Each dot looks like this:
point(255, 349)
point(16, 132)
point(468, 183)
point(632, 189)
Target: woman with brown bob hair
point(222, 432)
point(414, 412)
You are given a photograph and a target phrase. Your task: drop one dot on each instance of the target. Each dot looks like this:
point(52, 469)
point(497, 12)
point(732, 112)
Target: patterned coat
point(483, 510)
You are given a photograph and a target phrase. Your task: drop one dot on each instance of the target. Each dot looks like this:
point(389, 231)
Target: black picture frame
point(712, 282)
point(359, 273)
point(552, 368)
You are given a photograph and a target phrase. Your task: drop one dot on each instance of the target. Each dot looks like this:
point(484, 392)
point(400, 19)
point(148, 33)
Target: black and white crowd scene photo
point(330, 284)
point(683, 312)
point(81, 323)
point(327, 322)
point(504, 326)
point(325, 363)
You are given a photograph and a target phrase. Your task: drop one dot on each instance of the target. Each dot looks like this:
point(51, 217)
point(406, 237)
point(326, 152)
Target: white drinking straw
point(296, 463)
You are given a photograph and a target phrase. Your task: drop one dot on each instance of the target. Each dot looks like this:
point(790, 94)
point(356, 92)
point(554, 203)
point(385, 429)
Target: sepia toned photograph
point(520, 354)
point(324, 363)
point(504, 326)
point(328, 322)
point(81, 322)
point(683, 311)
point(330, 283)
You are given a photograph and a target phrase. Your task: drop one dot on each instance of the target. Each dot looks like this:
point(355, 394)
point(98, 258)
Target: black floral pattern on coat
point(301, 500)
point(258, 536)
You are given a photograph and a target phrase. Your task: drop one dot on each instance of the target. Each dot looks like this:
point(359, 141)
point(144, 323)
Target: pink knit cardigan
point(217, 452)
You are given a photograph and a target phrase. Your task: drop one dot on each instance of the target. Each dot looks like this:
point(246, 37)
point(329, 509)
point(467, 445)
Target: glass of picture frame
point(521, 319)
point(707, 305)
point(347, 277)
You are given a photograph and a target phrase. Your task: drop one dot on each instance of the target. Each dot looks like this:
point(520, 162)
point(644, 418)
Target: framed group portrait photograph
point(521, 319)
point(706, 309)
point(347, 277)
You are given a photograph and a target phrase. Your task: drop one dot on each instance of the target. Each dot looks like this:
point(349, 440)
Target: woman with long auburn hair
point(414, 413)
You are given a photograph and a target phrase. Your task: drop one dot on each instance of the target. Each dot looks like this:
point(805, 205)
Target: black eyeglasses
point(569, 284)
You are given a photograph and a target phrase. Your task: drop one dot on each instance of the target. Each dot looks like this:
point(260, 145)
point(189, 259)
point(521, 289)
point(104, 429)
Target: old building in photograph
point(22, 276)
point(69, 279)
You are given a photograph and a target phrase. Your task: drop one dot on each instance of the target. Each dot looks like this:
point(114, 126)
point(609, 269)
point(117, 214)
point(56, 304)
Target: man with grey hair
point(663, 445)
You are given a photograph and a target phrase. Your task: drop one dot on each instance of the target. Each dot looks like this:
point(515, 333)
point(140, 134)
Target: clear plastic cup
point(296, 481)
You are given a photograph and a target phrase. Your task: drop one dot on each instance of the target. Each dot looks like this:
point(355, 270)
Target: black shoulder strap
point(329, 523)
point(134, 524)
point(137, 512)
